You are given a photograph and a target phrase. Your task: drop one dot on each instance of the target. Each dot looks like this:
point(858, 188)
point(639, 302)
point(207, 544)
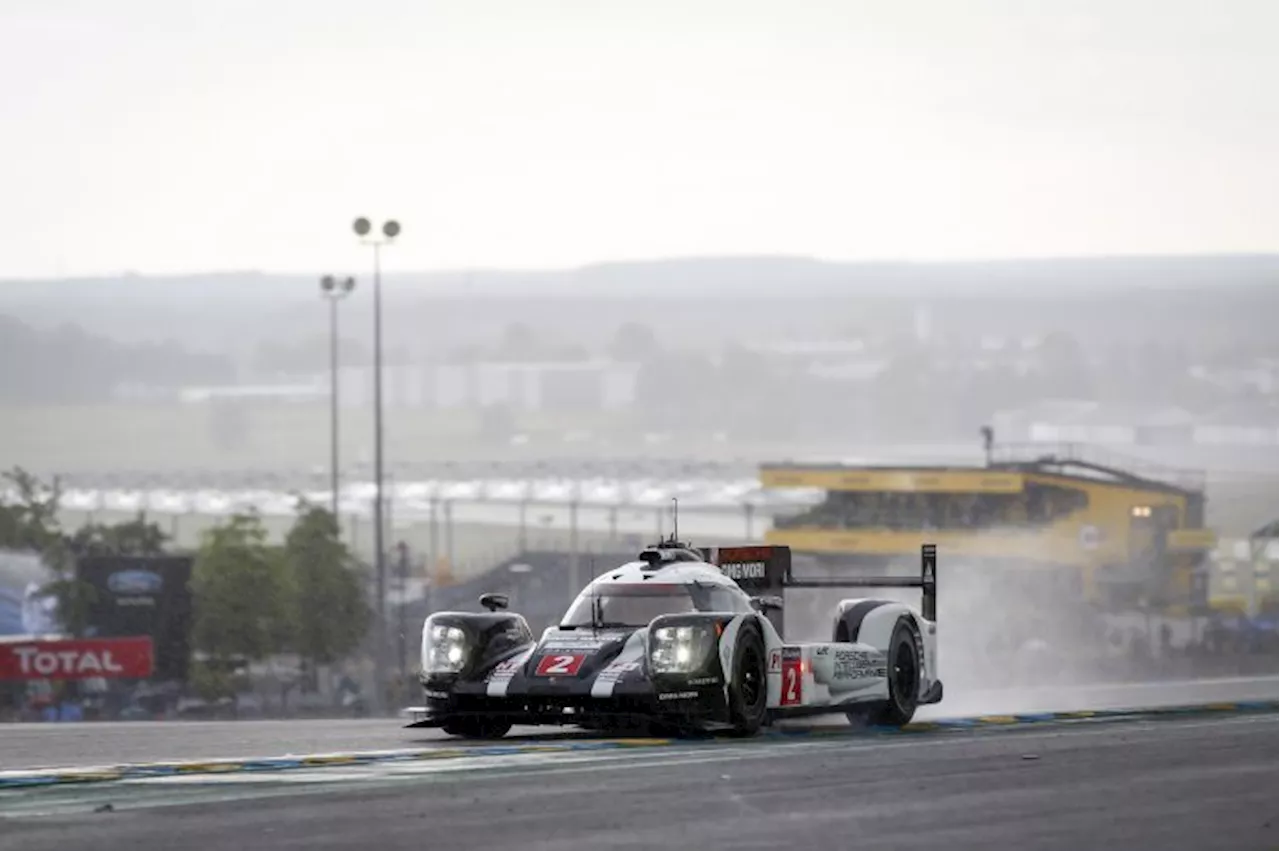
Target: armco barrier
point(60, 777)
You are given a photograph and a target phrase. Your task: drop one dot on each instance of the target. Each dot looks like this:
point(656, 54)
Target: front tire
point(903, 664)
point(748, 687)
point(477, 728)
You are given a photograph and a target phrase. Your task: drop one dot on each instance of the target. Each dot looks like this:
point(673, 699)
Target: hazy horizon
point(693, 277)
point(861, 263)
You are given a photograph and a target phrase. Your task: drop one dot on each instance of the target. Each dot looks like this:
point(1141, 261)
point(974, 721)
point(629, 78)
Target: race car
point(673, 642)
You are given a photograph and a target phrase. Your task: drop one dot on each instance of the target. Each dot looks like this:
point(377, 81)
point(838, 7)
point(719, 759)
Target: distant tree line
point(67, 365)
point(251, 599)
point(919, 392)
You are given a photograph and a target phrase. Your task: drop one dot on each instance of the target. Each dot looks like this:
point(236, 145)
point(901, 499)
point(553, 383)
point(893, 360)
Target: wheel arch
point(870, 621)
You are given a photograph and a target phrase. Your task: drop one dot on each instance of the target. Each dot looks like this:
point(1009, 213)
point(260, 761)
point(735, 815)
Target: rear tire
point(902, 663)
point(748, 687)
point(477, 728)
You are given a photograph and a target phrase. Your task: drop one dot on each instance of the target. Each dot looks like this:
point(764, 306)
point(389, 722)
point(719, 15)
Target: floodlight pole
point(334, 290)
point(390, 230)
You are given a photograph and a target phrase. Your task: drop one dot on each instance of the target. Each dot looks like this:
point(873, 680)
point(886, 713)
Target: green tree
point(241, 594)
point(329, 608)
point(136, 537)
point(29, 522)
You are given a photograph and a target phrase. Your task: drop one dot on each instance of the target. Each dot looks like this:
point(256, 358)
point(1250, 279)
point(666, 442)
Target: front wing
point(619, 696)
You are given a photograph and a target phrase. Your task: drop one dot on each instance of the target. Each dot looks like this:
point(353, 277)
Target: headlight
point(679, 649)
point(444, 649)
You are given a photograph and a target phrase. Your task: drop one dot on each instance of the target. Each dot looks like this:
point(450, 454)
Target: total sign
point(82, 659)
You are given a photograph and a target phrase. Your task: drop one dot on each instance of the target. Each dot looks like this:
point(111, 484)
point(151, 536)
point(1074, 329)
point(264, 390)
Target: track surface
point(71, 745)
point(1172, 784)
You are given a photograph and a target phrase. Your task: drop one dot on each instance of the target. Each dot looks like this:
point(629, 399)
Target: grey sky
point(165, 136)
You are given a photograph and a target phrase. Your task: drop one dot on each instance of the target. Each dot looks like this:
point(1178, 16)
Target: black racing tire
point(748, 683)
point(903, 665)
point(477, 728)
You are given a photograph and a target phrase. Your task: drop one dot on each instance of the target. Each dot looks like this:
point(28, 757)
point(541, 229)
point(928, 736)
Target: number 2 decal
point(560, 665)
point(791, 686)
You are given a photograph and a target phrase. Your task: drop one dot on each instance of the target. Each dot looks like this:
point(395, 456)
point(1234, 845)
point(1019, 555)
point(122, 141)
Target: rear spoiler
point(927, 581)
point(767, 570)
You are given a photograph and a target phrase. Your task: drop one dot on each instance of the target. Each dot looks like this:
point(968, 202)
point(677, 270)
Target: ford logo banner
point(134, 582)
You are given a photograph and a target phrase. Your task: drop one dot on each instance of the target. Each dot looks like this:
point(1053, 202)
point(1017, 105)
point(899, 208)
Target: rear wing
point(767, 570)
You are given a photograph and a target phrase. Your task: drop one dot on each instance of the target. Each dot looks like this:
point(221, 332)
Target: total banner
point(77, 659)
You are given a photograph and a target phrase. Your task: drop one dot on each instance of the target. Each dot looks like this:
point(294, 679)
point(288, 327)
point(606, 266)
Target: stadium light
point(389, 231)
point(334, 290)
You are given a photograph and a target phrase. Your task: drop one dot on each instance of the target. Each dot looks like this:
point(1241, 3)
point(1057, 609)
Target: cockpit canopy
point(635, 604)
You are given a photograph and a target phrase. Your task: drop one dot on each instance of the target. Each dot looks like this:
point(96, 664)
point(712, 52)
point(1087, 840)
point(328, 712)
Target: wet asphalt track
point(1193, 783)
point(95, 744)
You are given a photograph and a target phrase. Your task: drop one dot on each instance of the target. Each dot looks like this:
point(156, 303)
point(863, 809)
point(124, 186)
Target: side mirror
point(764, 605)
point(493, 602)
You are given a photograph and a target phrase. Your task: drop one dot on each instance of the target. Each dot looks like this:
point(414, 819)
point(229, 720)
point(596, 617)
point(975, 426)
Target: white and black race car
point(673, 642)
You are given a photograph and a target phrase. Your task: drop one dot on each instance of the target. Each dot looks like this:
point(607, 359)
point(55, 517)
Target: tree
point(329, 609)
point(241, 594)
point(135, 537)
point(30, 523)
point(69, 365)
point(519, 343)
point(633, 341)
point(274, 357)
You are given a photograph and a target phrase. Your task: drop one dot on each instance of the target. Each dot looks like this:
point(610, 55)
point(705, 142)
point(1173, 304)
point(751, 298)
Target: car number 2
point(560, 665)
point(791, 685)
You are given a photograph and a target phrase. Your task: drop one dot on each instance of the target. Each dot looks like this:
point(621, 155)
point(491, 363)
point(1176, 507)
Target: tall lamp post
point(390, 230)
point(334, 290)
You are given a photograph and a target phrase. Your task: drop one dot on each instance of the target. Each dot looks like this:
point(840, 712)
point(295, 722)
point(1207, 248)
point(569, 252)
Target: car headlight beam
point(679, 649)
point(444, 649)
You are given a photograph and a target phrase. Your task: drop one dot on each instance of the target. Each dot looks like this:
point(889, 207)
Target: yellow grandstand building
point(1069, 521)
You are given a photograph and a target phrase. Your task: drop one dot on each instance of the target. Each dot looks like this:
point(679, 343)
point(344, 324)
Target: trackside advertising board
point(149, 596)
point(756, 569)
point(76, 659)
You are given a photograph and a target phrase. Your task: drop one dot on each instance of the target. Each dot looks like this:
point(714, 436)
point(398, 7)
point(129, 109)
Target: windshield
point(636, 605)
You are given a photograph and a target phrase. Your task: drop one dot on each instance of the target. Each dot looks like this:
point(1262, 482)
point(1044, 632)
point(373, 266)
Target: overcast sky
point(160, 135)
